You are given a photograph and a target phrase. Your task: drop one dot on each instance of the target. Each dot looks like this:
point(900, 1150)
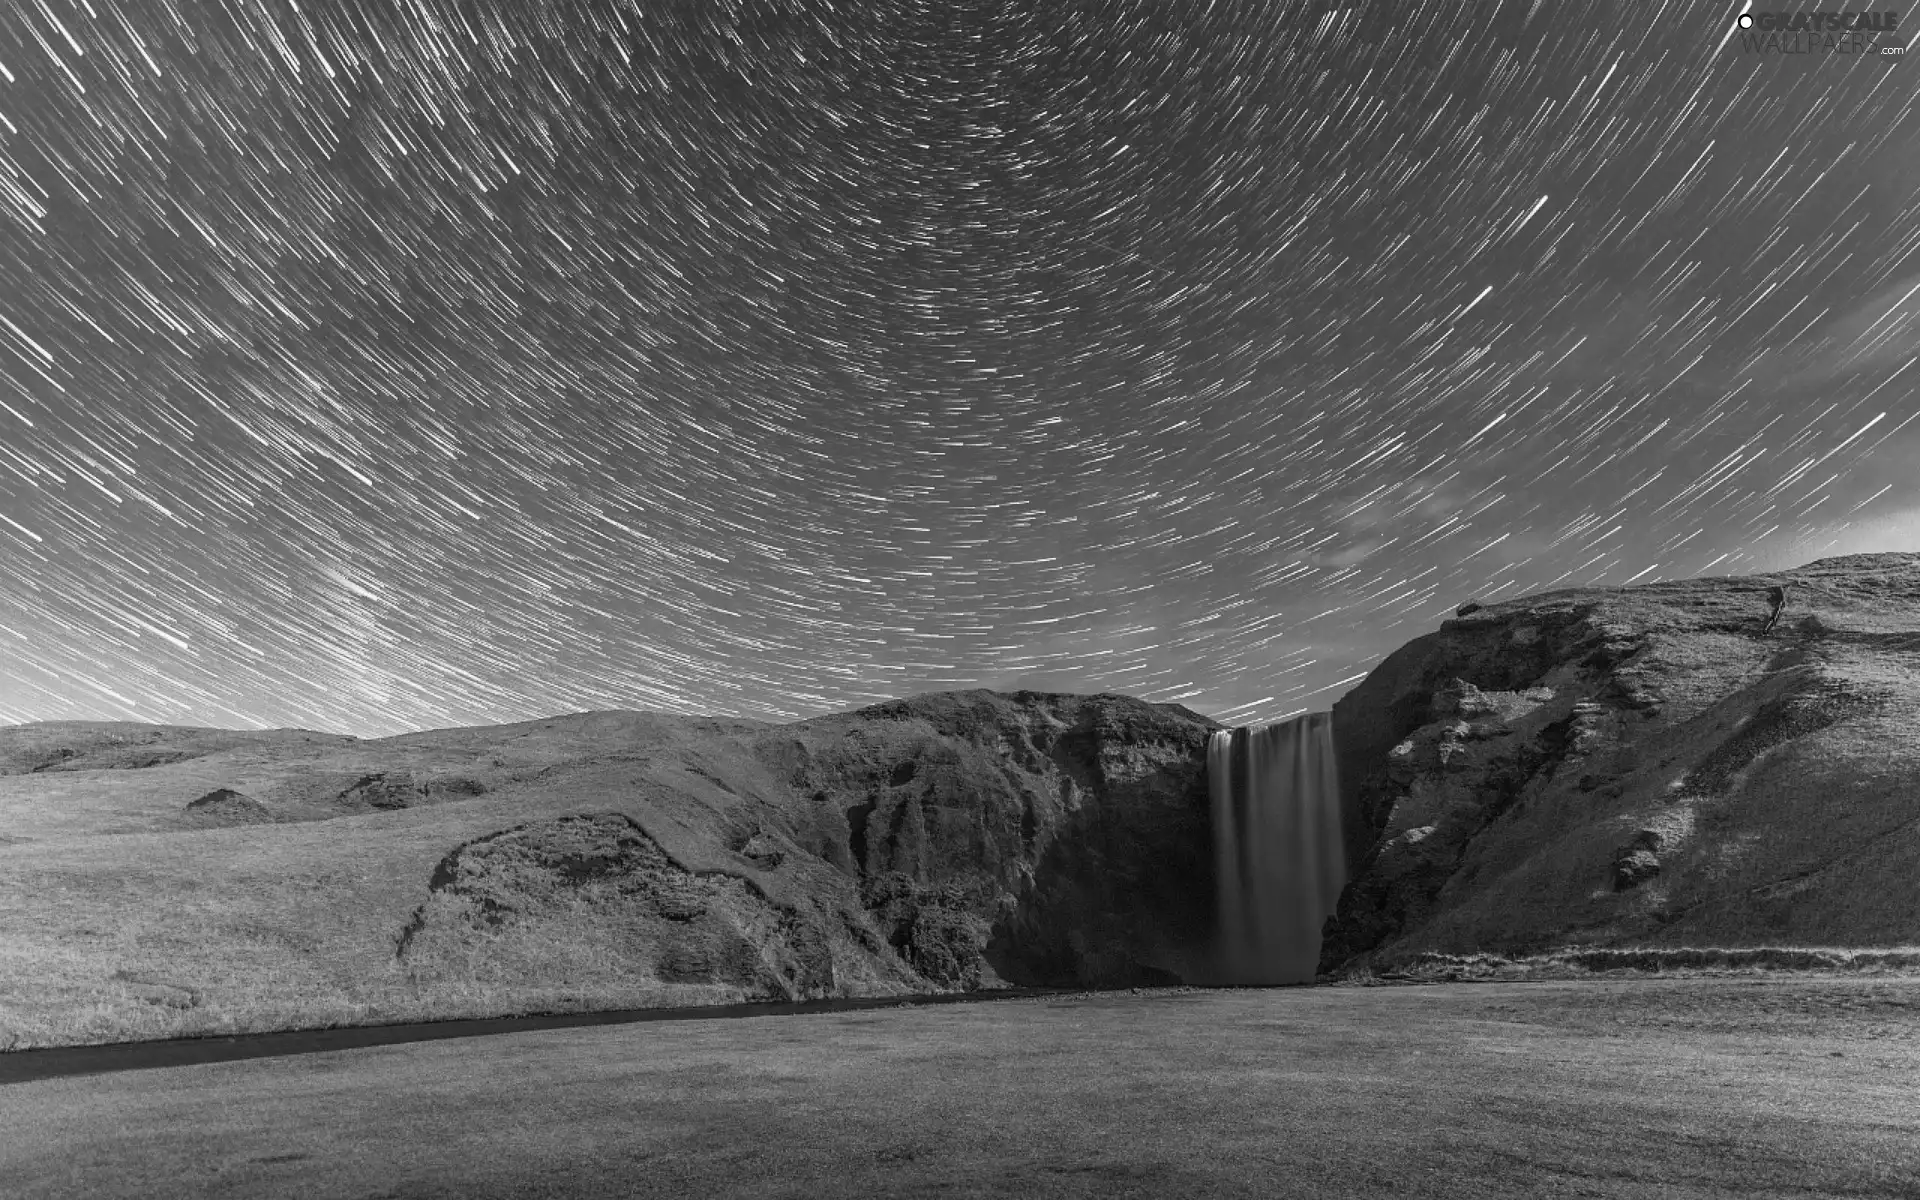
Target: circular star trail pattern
point(374, 367)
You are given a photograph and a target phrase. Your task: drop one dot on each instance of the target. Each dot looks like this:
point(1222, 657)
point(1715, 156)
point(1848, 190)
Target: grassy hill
point(1706, 763)
point(160, 881)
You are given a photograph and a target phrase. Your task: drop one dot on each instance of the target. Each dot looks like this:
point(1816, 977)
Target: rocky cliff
point(1716, 762)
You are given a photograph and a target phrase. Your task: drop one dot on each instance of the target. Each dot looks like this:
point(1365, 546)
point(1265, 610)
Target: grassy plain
point(1699, 1087)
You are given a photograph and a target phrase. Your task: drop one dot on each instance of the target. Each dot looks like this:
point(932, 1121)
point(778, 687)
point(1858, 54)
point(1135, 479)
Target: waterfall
point(1278, 854)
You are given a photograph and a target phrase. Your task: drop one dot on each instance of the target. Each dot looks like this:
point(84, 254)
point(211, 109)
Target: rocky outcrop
point(947, 842)
point(385, 790)
point(594, 899)
point(74, 746)
point(1720, 762)
point(224, 806)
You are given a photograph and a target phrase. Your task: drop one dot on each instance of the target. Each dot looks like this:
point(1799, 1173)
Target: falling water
point(1277, 847)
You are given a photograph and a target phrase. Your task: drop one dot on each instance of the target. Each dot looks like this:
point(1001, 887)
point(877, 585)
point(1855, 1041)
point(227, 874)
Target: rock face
point(950, 841)
point(1723, 762)
point(1036, 839)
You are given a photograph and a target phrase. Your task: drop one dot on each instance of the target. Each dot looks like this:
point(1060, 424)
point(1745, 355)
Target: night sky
point(379, 366)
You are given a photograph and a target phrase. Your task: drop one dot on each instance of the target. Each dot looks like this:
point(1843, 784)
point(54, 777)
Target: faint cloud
point(1881, 331)
point(1398, 508)
point(1895, 531)
point(1344, 557)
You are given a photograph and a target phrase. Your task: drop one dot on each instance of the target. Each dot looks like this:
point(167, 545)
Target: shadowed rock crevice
point(858, 817)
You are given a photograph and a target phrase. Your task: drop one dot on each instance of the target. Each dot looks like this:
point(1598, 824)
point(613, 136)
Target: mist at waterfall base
point(1278, 855)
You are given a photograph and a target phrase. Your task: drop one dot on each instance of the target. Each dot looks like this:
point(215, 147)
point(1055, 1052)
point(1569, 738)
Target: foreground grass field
point(1671, 1088)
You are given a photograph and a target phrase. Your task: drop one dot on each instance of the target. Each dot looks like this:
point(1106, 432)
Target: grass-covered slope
point(159, 881)
point(1710, 763)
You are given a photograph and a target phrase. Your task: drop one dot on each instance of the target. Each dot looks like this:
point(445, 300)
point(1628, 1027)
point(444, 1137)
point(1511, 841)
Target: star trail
point(371, 367)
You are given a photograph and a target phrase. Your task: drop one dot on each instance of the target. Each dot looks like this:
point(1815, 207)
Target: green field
point(1726, 1087)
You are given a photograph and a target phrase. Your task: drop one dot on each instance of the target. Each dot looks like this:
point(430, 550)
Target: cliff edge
point(1724, 762)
